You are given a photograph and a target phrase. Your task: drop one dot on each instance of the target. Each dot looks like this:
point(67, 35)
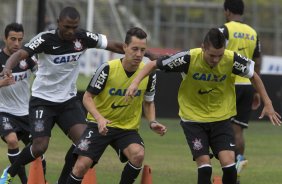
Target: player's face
point(13, 42)
point(67, 28)
point(134, 51)
point(212, 55)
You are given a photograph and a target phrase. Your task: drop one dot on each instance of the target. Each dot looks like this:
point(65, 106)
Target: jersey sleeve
point(178, 62)
point(243, 66)
point(151, 88)
point(32, 62)
point(95, 40)
point(36, 44)
point(99, 79)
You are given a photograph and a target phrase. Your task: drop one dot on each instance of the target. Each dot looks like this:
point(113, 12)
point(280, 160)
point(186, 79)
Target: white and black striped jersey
point(58, 65)
point(14, 99)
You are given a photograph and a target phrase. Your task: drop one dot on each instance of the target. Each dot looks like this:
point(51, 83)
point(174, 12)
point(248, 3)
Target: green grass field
point(170, 159)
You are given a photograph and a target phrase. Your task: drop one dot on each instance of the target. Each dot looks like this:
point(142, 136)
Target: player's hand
point(274, 117)
point(131, 91)
point(256, 101)
point(158, 127)
point(7, 72)
point(102, 126)
point(6, 81)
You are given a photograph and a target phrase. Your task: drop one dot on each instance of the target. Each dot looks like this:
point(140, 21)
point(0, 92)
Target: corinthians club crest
point(77, 45)
point(23, 65)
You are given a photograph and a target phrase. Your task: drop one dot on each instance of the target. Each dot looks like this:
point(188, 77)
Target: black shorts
point(201, 137)
point(44, 114)
point(92, 144)
point(244, 99)
point(18, 124)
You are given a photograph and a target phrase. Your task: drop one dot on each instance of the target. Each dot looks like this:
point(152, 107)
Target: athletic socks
point(72, 179)
point(204, 174)
point(229, 174)
point(69, 163)
point(129, 173)
point(24, 158)
point(12, 155)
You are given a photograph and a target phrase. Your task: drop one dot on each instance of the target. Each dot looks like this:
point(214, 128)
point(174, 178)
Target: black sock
point(69, 163)
point(129, 173)
point(204, 174)
point(12, 155)
point(72, 179)
point(229, 175)
point(24, 158)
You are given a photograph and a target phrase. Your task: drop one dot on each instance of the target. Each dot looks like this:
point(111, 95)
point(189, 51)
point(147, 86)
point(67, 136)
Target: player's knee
point(39, 147)
point(137, 157)
point(12, 141)
point(80, 169)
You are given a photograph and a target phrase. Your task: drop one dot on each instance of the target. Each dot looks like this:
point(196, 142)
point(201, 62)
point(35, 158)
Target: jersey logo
point(242, 48)
point(66, 59)
point(56, 47)
point(92, 35)
point(209, 77)
point(202, 92)
point(77, 45)
point(240, 66)
point(113, 106)
point(121, 92)
point(23, 65)
point(100, 80)
point(244, 36)
point(177, 62)
point(36, 43)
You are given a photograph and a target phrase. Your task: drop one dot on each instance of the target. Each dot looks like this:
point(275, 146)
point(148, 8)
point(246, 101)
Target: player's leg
point(89, 150)
point(198, 142)
point(72, 122)
point(223, 147)
point(130, 148)
point(41, 124)
point(10, 136)
point(244, 98)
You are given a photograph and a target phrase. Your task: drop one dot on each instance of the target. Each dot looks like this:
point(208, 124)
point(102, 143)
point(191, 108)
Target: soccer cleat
point(241, 163)
point(6, 177)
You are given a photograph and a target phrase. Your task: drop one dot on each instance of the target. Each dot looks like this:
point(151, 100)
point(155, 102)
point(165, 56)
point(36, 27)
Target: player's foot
point(6, 177)
point(241, 163)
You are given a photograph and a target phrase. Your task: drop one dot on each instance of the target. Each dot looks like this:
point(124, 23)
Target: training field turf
point(170, 159)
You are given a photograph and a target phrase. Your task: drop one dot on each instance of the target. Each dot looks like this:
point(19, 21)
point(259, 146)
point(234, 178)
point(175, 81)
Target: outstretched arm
point(132, 89)
point(13, 61)
point(268, 109)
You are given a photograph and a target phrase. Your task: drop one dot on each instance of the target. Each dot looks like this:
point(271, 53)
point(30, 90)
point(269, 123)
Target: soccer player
point(53, 97)
point(244, 40)
point(14, 96)
point(112, 121)
point(207, 100)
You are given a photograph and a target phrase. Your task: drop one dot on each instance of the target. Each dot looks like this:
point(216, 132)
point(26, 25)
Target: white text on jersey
point(177, 62)
point(101, 79)
point(36, 43)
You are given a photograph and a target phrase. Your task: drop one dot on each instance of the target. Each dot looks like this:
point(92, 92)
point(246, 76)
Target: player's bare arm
point(268, 109)
point(150, 114)
point(13, 61)
point(6, 81)
point(91, 108)
point(132, 89)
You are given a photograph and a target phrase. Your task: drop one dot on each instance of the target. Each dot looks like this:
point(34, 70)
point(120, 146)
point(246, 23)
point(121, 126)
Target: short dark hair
point(235, 6)
point(135, 31)
point(70, 12)
point(215, 38)
point(13, 27)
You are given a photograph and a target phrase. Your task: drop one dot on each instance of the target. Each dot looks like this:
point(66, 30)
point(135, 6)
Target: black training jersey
point(14, 99)
point(58, 66)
